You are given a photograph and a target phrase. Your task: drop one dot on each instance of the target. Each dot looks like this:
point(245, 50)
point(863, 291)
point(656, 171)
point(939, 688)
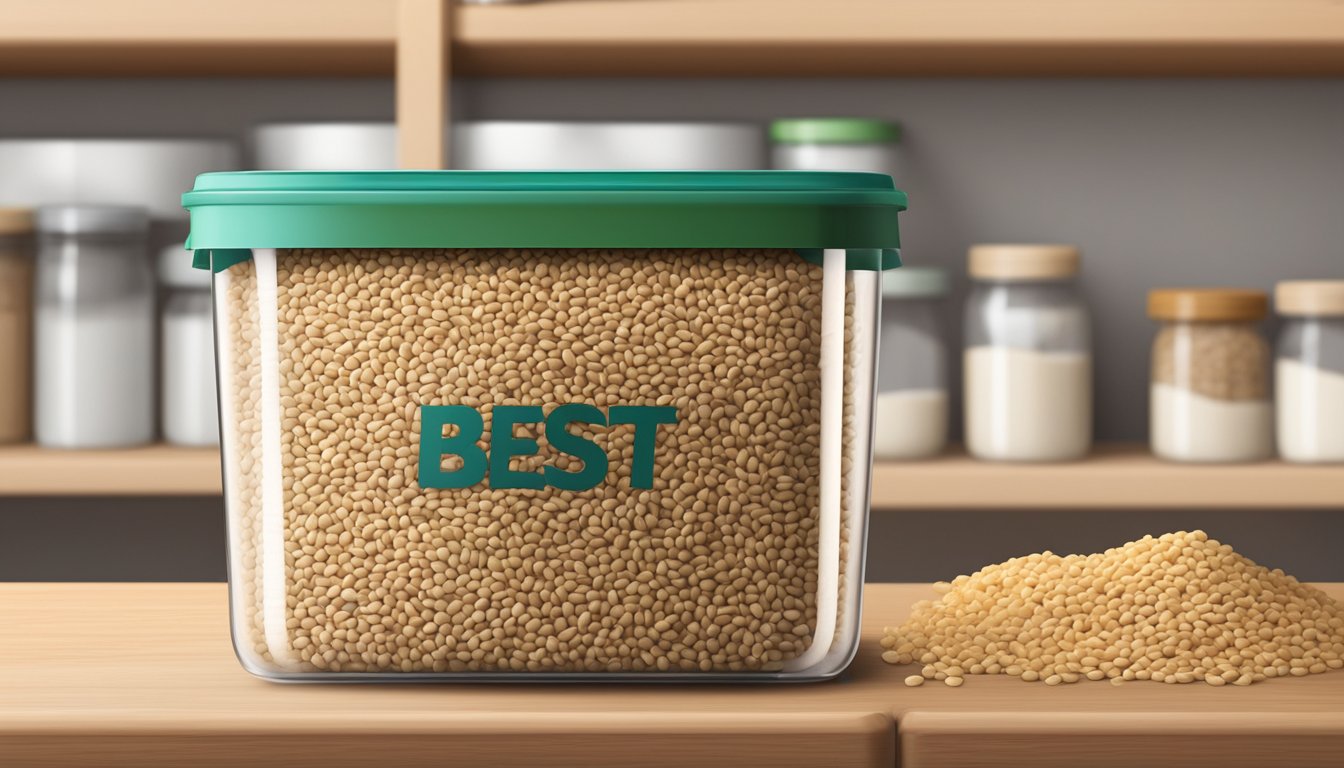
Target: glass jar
point(461, 446)
point(188, 409)
point(1210, 376)
point(835, 144)
point(94, 338)
point(560, 145)
point(1309, 371)
point(910, 419)
point(1028, 358)
point(16, 312)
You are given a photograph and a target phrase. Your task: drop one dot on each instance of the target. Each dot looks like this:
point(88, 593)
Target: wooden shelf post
point(422, 83)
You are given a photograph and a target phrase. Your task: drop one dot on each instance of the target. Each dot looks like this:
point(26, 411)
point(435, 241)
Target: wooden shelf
point(197, 37)
point(157, 470)
point(1115, 477)
point(684, 37)
point(903, 37)
point(144, 675)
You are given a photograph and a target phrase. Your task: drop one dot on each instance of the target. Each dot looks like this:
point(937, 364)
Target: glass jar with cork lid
point(1210, 399)
point(1028, 357)
point(1309, 371)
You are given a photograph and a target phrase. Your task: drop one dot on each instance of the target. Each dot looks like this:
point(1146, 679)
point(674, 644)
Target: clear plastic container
point(835, 144)
point(532, 425)
point(1028, 357)
point(188, 409)
point(910, 418)
point(16, 312)
point(1309, 371)
point(1210, 376)
point(94, 328)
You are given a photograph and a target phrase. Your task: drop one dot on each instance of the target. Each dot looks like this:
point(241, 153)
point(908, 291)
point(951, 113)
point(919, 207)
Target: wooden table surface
point(143, 675)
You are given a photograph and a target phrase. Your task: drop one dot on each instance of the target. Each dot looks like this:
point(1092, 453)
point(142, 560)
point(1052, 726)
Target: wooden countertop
point(143, 675)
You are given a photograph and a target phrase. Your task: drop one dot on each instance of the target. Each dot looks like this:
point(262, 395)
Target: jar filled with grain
point(16, 312)
point(911, 417)
point(1028, 358)
point(1210, 376)
point(1309, 370)
point(561, 425)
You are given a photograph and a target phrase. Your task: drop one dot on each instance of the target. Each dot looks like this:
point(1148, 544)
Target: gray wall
point(1163, 182)
point(182, 539)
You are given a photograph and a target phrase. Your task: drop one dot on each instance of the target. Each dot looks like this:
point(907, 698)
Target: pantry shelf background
point(684, 37)
point(997, 158)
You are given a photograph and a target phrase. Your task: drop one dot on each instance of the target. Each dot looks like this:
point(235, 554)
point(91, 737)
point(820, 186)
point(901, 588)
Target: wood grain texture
point(1053, 739)
point(904, 37)
point(1117, 477)
point(524, 740)
point(422, 84)
point(197, 37)
point(144, 675)
point(685, 37)
point(26, 470)
point(1114, 477)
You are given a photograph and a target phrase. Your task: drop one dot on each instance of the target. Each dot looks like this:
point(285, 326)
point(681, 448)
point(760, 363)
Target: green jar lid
point(834, 130)
point(802, 210)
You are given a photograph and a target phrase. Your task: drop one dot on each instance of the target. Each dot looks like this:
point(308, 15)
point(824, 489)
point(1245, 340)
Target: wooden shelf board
point(156, 470)
point(903, 37)
point(684, 37)
point(1115, 477)
point(144, 675)
point(168, 38)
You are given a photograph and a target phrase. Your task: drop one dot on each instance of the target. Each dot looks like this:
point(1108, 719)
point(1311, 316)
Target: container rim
point(824, 184)
point(800, 210)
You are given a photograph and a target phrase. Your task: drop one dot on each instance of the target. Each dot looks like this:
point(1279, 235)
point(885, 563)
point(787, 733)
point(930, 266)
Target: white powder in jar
point(94, 376)
point(188, 375)
point(1026, 405)
point(1187, 426)
point(910, 424)
point(1310, 412)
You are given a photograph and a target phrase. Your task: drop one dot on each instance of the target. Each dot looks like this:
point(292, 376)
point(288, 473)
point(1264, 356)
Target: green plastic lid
point(834, 130)
point(802, 210)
